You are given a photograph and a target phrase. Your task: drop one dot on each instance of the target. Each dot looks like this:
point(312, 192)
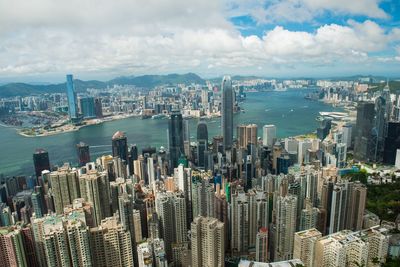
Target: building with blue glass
point(71, 95)
point(88, 107)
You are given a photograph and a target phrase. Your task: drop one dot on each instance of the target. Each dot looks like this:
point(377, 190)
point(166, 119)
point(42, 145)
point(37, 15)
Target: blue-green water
point(289, 111)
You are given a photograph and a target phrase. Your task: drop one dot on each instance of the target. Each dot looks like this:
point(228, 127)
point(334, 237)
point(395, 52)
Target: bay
point(289, 111)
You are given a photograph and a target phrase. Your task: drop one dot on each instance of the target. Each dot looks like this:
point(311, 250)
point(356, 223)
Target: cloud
point(307, 10)
point(41, 38)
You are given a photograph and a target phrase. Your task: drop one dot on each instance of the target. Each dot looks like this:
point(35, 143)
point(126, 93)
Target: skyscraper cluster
point(263, 199)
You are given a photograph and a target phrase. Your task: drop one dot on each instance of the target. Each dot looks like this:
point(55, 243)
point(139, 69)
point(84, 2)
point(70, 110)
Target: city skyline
point(41, 40)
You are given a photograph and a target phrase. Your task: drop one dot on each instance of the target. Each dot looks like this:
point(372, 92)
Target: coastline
point(74, 128)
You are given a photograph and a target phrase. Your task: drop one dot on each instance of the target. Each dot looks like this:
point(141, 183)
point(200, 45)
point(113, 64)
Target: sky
point(42, 40)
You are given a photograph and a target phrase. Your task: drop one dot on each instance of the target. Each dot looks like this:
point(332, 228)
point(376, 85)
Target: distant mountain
point(145, 81)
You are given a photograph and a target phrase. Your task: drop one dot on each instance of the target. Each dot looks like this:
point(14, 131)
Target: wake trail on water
point(101, 146)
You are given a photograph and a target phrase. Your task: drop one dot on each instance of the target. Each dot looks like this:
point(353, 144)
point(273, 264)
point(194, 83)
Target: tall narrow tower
point(71, 95)
point(175, 135)
point(227, 112)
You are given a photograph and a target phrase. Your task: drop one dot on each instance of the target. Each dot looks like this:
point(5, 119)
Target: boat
point(159, 116)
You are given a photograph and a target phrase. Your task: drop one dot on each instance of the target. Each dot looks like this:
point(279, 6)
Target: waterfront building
point(83, 153)
point(41, 161)
point(175, 137)
point(208, 242)
point(269, 135)
point(246, 134)
point(98, 108)
point(120, 146)
point(72, 101)
point(227, 112)
point(87, 107)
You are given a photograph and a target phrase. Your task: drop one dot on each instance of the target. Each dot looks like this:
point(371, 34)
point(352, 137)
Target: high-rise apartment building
point(64, 187)
point(111, 244)
point(12, 251)
point(262, 245)
point(286, 217)
point(208, 246)
point(227, 112)
point(94, 188)
point(304, 242)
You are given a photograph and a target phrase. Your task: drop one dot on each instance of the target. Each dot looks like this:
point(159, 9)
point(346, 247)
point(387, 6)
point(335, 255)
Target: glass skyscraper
point(175, 135)
point(71, 95)
point(88, 107)
point(227, 112)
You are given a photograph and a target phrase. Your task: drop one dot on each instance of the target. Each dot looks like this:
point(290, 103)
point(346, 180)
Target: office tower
point(71, 95)
point(397, 162)
point(202, 143)
point(283, 163)
point(383, 112)
point(12, 251)
point(145, 255)
point(364, 125)
point(204, 97)
point(55, 242)
point(324, 128)
point(392, 143)
point(83, 153)
point(208, 247)
point(111, 244)
point(286, 216)
point(304, 242)
point(357, 197)
point(262, 245)
point(78, 239)
point(227, 112)
point(87, 107)
point(64, 187)
point(347, 134)
point(120, 146)
point(94, 188)
point(98, 108)
point(304, 146)
point(175, 137)
point(269, 135)
point(186, 138)
point(41, 161)
point(246, 134)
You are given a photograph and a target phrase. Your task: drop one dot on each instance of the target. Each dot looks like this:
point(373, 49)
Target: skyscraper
point(88, 107)
point(269, 135)
point(82, 150)
point(71, 95)
point(120, 146)
point(227, 112)
point(363, 134)
point(262, 245)
point(304, 243)
point(12, 248)
point(202, 143)
point(41, 161)
point(286, 212)
point(246, 134)
point(175, 137)
point(208, 246)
